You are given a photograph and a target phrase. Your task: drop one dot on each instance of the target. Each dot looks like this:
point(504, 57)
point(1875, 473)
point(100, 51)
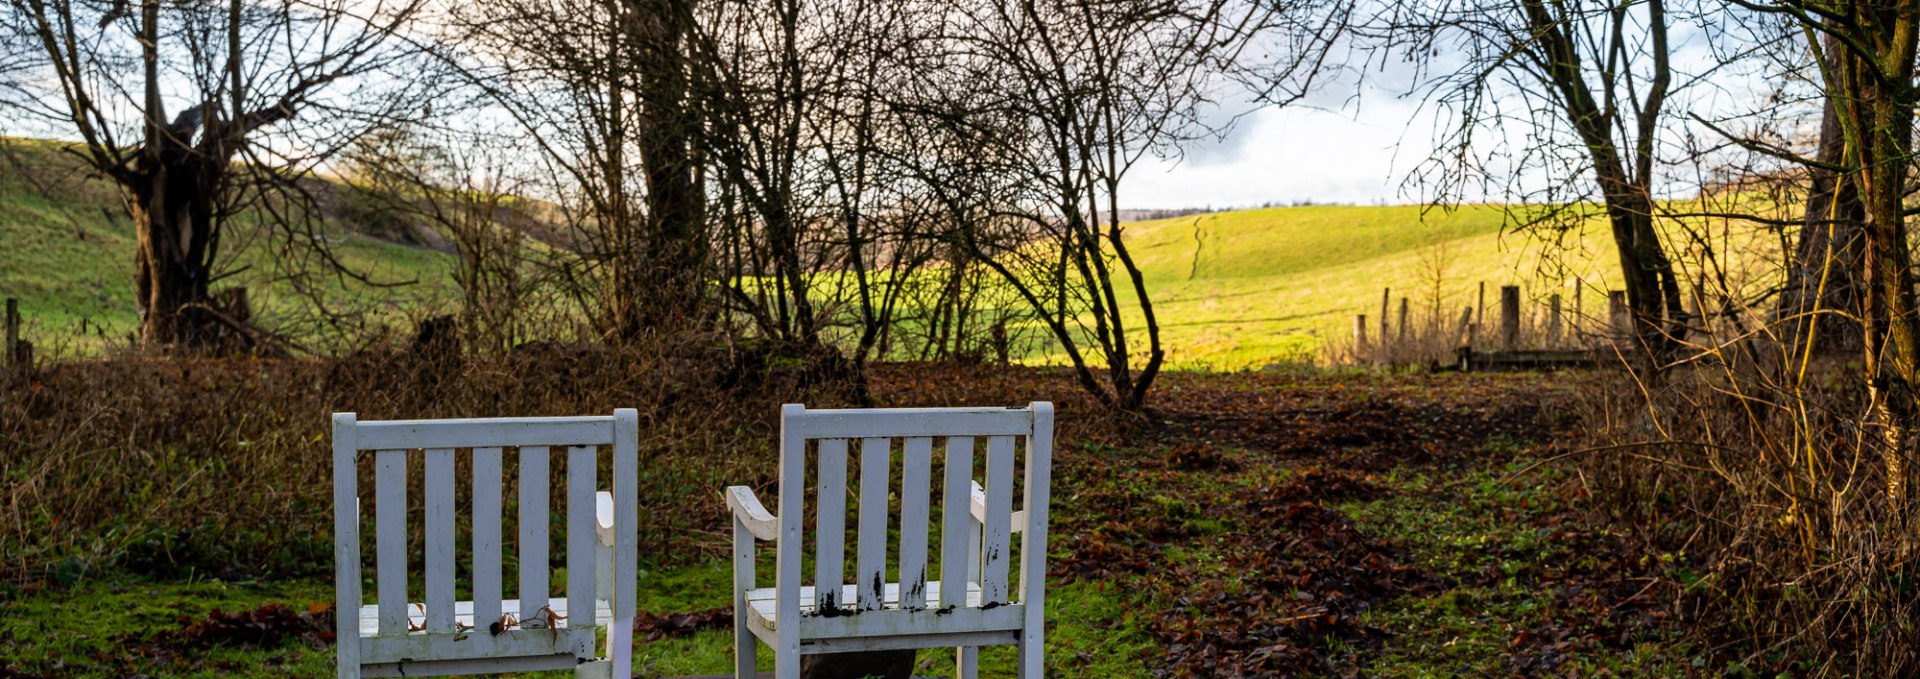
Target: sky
point(1349, 140)
point(1341, 153)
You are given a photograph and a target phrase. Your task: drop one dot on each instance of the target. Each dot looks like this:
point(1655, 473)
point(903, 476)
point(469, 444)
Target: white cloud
point(1290, 155)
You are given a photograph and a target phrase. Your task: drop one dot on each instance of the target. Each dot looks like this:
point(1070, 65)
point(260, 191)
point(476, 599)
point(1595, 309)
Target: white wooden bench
point(487, 634)
point(973, 603)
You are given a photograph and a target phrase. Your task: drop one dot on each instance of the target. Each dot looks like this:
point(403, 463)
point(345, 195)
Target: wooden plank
point(870, 557)
point(514, 642)
point(440, 566)
point(346, 545)
point(916, 471)
point(534, 489)
point(626, 543)
point(753, 516)
point(1510, 317)
point(486, 536)
point(1033, 545)
point(911, 422)
point(463, 614)
point(462, 666)
point(980, 509)
point(793, 455)
point(582, 482)
point(957, 519)
point(743, 582)
point(473, 433)
point(996, 543)
point(390, 552)
point(830, 515)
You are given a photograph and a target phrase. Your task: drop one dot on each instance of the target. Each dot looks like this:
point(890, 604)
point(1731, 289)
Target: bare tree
point(605, 99)
point(465, 188)
point(1052, 104)
point(259, 93)
point(1589, 83)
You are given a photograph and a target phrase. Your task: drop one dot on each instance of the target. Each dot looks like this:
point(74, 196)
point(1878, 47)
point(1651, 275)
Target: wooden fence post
point(1386, 296)
point(1403, 320)
point(1509, 317)
point(1359, 335)
point(1579, 307)
point(1466, 327)
point(1480, 313)
point(1553, 320)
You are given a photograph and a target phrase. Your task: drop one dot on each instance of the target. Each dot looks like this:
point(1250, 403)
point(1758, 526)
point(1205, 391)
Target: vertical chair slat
point(916, 470)
point(390, 552)
point(486, 536)
point(830, 511)
point(957, 517)
point(533, 530)
point(581, 484)
point(996, 544)
point(439, 537)
point(870, 560)
point(346, 546)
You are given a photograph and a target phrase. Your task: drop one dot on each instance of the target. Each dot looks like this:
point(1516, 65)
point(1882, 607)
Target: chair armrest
point(603, 517)
point(750, 513)
point(980, 509)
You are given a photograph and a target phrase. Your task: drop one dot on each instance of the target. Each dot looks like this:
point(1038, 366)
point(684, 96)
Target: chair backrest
point(535, 440)
point(977, 550)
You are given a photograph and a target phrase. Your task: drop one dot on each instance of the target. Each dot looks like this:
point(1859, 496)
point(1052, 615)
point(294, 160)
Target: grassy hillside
point(1238, 289)
point(1232, 290)
point(69, 250)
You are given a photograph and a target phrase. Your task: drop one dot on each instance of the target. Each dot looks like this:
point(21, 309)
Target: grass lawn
point(1271, 525)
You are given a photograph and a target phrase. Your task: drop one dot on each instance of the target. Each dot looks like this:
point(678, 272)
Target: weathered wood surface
point(976, 600)
point(429, 633)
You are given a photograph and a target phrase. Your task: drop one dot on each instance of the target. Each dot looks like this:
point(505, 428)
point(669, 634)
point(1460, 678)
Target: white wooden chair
point(973, 603)
point(487, 634)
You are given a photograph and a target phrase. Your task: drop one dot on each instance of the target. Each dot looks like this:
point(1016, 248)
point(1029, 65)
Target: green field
point(1240, 289)
point(70, 249)
point(1233, 290)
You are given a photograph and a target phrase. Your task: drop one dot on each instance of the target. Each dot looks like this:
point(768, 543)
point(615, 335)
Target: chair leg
point(1032, 663)
point(744, 643)
point(966, 662)
point(786, 664)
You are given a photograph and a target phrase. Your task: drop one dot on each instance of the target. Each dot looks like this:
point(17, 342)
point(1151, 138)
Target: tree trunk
point(1653, 292)
point(675, 241)
point(170, 199)
point(1892, 352)
point(1825, 272)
